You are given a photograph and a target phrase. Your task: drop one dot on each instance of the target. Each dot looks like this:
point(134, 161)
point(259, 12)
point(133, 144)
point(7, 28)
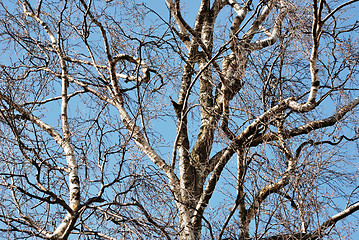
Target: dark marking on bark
point(315, 83)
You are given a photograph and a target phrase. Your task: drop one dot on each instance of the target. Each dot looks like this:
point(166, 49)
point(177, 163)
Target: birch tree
point(174, 119)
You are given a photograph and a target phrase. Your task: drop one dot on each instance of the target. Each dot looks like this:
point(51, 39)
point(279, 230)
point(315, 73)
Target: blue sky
point(190, 11)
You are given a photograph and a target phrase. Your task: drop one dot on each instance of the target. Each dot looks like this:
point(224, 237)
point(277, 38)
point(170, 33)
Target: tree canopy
point(174, 119)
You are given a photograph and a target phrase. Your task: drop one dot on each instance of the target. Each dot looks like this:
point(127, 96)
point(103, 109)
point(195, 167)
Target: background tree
point(123, 120)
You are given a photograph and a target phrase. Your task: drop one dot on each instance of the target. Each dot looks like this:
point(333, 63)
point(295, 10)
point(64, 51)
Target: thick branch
point(273, 37)
point(320, 232)
point(333, 220)
point(311, 126)
point(175, 11)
